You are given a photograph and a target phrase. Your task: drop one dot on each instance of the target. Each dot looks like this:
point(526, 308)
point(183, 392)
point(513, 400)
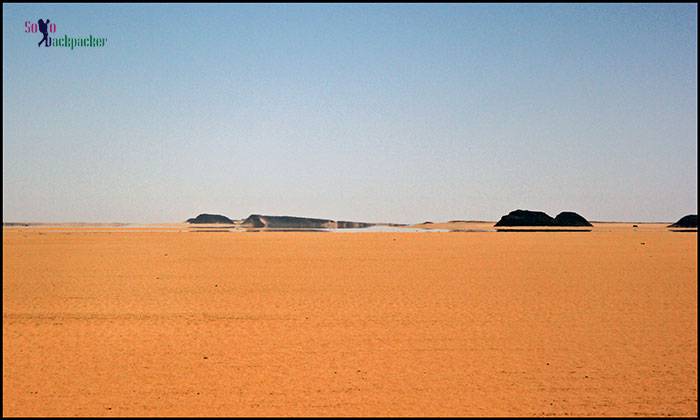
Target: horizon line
point(414, 223)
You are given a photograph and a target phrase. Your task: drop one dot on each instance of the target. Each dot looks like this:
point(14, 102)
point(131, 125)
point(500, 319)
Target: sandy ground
point(100, 322)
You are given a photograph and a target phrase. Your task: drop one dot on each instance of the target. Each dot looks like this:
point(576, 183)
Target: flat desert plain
point(170, 322)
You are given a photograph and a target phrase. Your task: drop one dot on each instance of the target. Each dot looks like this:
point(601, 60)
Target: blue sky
point(365, 112)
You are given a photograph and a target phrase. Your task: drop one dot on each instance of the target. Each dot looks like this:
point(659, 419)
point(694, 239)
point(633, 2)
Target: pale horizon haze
point(364, 112)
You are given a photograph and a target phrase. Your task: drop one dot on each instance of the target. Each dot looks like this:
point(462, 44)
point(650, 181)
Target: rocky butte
point(538, 218)
point(689, 221)
point(291, 222)
point(210, 218)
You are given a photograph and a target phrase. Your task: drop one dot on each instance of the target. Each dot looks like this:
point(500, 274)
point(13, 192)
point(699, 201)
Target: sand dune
point(175, 323)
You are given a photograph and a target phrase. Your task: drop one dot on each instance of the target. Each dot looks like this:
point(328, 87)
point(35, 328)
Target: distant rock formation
point(353, 225)
point(526, 218)
point(210, 218)
point(290, 222)
point(569, 218)
point(689, 221)
point(538, 218)
point(253, 221)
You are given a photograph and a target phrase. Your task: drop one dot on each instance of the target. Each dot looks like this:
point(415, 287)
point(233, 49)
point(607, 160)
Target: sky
point(365, 112)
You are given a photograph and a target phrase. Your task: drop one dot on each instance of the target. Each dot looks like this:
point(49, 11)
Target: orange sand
point(167, 323)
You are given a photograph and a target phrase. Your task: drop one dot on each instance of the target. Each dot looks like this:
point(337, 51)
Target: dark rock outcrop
point(285, 222)
point(291, 222)
point(538, 218)
point(211, 218)
point(526, 218)
point(353, 225)
point(569, 218)
point(689, 221)
point(253, 221)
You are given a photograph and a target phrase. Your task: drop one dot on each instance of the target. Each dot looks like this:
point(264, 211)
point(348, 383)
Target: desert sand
point(163, 321)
